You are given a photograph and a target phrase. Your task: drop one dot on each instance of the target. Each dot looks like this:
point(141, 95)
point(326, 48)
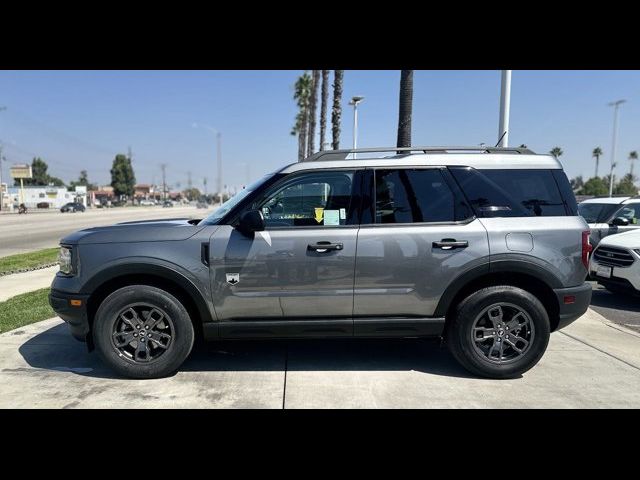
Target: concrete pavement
point(17, 283)
point(25, 233)
point(591, 364)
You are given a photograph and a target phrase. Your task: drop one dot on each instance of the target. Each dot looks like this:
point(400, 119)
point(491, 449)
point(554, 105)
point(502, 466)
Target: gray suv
point(481, 247)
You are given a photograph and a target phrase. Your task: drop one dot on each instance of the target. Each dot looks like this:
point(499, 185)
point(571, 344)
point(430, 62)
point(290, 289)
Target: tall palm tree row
point(336, 111)
point(324, 99)
point(597, 153)
point(313, 102)
point(405, 108)
point(302, 96)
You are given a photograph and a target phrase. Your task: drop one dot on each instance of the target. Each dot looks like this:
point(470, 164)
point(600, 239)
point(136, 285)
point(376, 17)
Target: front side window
point(412, 196)
point(315, 199)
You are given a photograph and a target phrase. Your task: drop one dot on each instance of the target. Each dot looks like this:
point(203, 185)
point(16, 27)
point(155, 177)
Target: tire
point(468, 345)
point(114, 326)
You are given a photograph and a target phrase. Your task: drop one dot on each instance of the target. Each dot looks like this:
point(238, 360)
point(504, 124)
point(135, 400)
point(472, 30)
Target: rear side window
point(512, 193)
point(413, 196)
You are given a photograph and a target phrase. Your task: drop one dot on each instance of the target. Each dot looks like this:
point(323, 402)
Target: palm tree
point(323, 107)
point(556, 152)
point(336, 111)
point(633, 156)
point(597, 153)
point(313, 103)
point(405, 108)
point(302, 93)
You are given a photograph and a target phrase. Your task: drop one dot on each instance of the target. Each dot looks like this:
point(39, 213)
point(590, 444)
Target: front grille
point(612, 256)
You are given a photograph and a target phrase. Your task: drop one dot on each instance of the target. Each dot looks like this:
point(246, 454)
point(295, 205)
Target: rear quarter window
point(516, 192)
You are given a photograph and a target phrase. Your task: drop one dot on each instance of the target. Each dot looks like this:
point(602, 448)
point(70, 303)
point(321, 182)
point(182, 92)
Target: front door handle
point(450, 244)
point(322, 247)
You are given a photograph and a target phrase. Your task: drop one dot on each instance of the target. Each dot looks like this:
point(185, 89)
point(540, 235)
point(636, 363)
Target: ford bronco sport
point(482, 247)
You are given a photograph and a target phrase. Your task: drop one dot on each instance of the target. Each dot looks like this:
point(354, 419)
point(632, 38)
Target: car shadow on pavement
point(54, 349)
point(619, 301)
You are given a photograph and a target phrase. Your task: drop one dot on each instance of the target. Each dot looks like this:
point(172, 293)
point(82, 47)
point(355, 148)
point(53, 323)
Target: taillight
point(586, 249)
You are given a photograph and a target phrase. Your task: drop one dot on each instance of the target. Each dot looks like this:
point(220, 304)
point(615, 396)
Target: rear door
point(416, 236)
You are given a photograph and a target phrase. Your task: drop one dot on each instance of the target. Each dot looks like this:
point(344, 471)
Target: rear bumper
point(568, 312)
point(76, 317)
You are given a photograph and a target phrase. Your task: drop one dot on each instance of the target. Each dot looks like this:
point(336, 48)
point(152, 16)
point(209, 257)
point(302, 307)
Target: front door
point(300, 270)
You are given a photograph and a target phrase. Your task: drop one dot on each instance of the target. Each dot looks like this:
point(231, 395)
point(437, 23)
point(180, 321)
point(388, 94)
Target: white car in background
point(147, 203)
point(610, 215)
point(615, 263)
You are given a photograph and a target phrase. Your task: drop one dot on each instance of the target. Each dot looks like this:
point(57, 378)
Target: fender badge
point(233, 278)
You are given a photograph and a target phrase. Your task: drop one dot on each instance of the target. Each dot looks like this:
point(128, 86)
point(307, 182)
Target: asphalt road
point(34, 231)
point(623, 309)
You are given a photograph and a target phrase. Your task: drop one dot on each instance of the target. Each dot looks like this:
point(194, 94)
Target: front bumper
point(568, 312)
point(624, 277)
point(75, 316)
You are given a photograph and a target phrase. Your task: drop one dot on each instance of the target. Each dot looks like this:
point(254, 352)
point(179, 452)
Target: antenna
point(500, 139)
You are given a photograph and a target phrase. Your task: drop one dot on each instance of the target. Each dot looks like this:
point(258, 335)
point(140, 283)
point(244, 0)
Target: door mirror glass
point(251, 221)
point(620, 222)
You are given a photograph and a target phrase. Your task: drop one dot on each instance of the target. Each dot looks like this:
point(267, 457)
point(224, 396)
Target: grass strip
point(24, 309)
point(28, 260)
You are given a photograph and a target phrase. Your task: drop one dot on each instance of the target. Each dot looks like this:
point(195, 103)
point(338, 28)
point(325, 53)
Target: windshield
point(597, 212)
point(226, 207)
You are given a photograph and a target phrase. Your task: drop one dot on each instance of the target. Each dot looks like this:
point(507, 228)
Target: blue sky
point(80, 119)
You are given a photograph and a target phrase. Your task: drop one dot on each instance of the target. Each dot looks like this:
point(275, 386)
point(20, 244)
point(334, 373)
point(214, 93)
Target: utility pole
point(164, 181)
point(204, 182)
point(505, 105)
point(130, 154)
point(189, 180)
point(615, 106)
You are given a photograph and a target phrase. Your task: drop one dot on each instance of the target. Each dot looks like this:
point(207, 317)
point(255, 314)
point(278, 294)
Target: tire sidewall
point(107, 315)
point(471, 307)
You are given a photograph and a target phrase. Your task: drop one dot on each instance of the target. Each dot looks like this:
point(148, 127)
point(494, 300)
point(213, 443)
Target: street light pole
point(355, 101)
point(615, 106)
point(219, 155)
point(505, 105)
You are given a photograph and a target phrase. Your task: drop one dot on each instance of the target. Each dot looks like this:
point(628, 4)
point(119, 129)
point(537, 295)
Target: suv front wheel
point(499, 332)
point(143, 332)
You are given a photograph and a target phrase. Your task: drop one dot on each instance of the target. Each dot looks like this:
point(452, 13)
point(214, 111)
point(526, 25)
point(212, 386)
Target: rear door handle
point(322, 247)
point(450, 244)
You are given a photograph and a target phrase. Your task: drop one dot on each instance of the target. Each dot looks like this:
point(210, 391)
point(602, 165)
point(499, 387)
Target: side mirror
point(620, 222)
point(251, 221)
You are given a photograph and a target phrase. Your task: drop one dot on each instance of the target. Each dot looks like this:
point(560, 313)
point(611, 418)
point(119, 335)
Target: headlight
point(64, 260)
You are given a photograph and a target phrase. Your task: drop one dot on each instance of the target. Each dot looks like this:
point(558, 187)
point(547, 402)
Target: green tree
point(123, 179)
point(595, 186)
point(597, 153)
point(192, 193)
point(405, 108)
point(40, 176)
point(336, 111)
point(556, 152)
point(626, 186)
point(577, 183)
point(56, 182)
point(83, 180)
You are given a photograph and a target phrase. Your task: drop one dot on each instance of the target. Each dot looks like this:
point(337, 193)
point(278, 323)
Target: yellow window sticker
point(319, 214)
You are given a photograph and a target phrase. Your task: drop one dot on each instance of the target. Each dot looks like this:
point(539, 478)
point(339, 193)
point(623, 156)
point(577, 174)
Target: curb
point(32, 269)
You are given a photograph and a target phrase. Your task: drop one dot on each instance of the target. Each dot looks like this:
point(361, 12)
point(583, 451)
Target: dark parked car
point(72, 207)
point(43, 205)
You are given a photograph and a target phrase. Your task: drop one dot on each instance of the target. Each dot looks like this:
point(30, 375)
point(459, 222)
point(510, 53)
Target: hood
point(141, 231)
point(630, 239)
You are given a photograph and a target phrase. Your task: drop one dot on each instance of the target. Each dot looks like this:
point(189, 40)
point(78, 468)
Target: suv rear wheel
point(499, 332)
point(143, 332)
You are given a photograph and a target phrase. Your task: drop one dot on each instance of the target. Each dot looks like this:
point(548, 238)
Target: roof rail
point(328, 155)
